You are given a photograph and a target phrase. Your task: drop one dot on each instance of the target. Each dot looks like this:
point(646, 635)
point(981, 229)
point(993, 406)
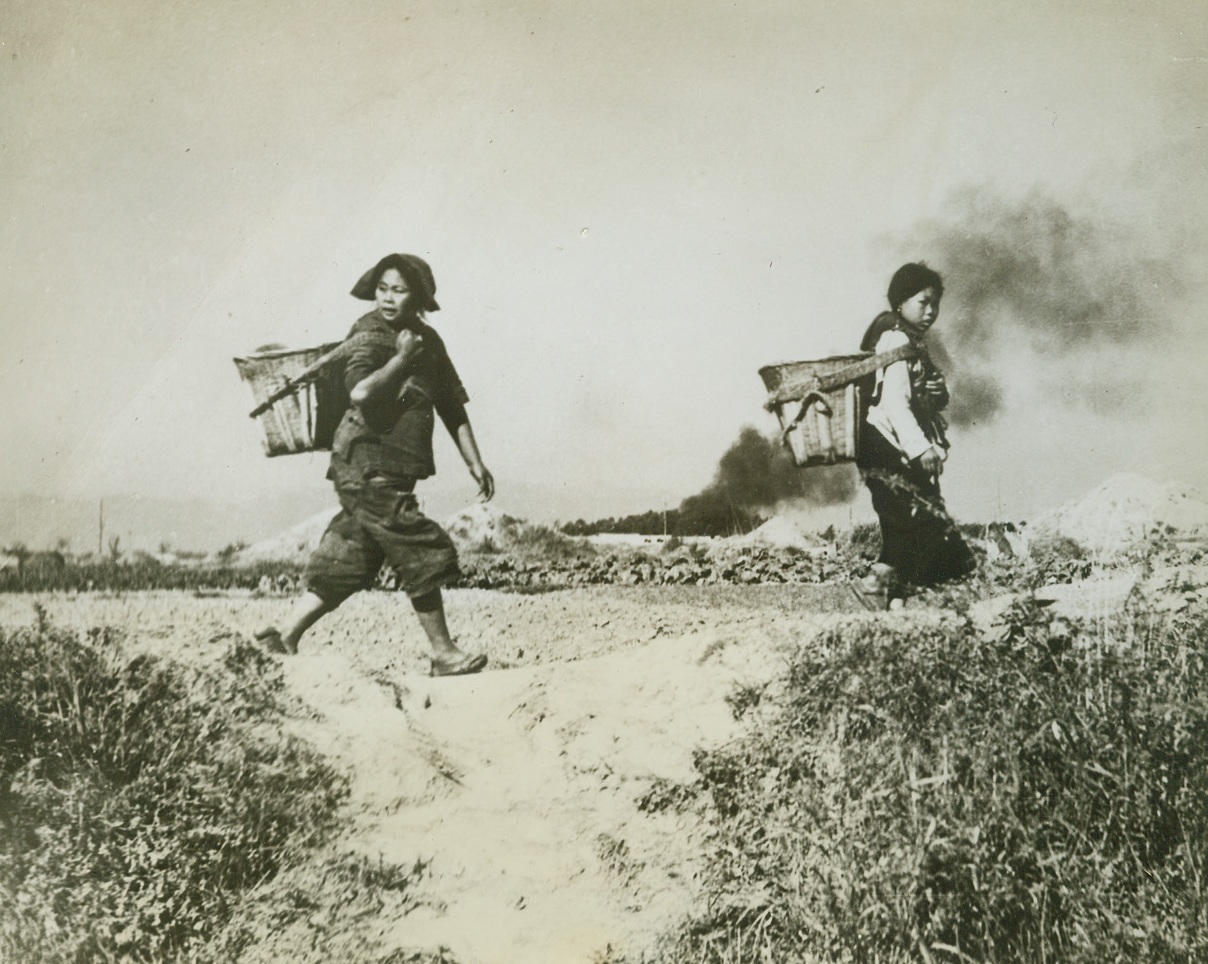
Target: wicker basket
point(819, 420)
point(306, 420)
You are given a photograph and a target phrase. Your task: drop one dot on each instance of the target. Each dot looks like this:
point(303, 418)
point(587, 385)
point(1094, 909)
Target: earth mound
point(1126, 510)
point(483, 525)
point(782, 532)
point(295, 544)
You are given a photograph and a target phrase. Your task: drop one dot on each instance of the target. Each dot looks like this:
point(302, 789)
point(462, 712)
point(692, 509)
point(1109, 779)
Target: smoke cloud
point(1079, 297)
point(1066, 286)
point(755, 474)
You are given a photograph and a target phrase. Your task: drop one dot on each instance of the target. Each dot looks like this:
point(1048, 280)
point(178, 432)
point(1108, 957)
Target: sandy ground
point(520, 787)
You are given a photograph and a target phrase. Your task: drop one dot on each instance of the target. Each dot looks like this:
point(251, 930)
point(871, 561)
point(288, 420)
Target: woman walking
point(903, 447)
point(399, 377)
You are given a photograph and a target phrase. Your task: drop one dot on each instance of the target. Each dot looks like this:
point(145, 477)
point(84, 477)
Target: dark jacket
point(398, 443)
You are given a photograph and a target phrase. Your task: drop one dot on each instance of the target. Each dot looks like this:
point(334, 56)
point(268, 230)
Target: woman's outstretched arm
point(467, 445)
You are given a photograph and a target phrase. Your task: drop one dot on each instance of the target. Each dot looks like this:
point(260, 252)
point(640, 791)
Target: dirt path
point(519, 788)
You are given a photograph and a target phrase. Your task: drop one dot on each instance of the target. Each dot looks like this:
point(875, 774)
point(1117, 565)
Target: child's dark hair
point(910, 279)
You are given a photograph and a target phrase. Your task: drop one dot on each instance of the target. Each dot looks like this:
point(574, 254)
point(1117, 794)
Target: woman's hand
point(467, 445)
point(931, 461)
point(385, 383)
point(486, 482)
point(407, 344)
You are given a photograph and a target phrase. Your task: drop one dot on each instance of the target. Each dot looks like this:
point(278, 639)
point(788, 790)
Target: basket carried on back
point(820, 405)
point(308, 405)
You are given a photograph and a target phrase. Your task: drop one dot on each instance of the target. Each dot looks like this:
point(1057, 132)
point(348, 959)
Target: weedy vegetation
point(317, 912)
point(139, 799)
point(1034, 791)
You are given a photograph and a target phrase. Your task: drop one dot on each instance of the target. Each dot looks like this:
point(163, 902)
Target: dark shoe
point(271, 642)
point(462, 665)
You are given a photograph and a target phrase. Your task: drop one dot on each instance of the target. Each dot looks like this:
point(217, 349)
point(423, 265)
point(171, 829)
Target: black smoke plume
point(1066, 284)
point(755, 474)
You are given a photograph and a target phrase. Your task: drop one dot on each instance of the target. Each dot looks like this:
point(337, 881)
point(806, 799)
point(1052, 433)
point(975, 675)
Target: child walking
point(903, 447)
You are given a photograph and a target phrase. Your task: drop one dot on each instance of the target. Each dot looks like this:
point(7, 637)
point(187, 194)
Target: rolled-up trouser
point(380, 522)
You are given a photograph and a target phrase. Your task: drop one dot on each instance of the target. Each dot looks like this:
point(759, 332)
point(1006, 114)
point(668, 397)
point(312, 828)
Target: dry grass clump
point(930, 793)
point(138, 798)
point(1058, 559)
point(316, 914)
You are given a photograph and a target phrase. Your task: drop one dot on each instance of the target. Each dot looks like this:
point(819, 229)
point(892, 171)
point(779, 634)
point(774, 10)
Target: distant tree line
point(54, 572)
point(696, 516)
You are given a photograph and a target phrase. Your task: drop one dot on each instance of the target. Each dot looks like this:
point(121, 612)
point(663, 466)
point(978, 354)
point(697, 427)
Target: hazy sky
point(629, 208)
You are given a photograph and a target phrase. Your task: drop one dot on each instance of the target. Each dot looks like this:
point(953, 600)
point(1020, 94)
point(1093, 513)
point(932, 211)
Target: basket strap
point(800, 388)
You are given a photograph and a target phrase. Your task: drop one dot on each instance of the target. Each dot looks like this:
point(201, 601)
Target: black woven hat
point(412, 267)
